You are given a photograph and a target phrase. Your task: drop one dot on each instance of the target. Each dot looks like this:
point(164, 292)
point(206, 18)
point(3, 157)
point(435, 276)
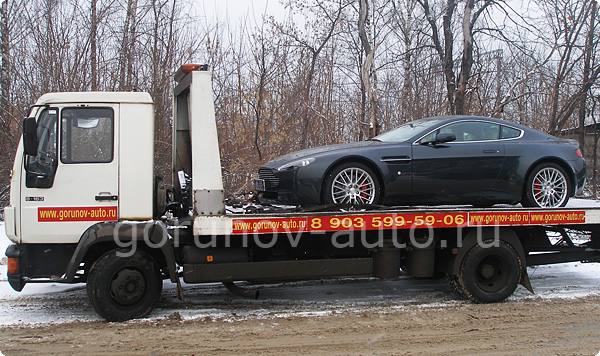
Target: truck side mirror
point(30, 141)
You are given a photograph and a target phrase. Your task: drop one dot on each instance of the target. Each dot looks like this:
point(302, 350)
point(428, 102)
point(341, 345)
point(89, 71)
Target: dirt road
point(524, 327)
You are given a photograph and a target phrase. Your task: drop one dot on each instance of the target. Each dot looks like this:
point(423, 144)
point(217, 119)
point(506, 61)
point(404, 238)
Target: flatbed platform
point(579, 212)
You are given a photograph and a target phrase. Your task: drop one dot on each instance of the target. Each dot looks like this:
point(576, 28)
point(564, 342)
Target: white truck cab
point(93, 161)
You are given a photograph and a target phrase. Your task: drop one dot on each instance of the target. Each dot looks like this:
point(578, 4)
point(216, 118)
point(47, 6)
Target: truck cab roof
point(95, 97)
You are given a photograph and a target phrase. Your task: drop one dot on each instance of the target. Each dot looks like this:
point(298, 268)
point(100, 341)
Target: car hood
point(320, 151)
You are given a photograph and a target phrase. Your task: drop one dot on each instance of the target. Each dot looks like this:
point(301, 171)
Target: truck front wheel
point(490, 272)
point(122, 288)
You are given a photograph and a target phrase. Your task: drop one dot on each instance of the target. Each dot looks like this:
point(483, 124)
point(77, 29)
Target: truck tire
point(123, 288)
point(456, 287)
point(490, 274)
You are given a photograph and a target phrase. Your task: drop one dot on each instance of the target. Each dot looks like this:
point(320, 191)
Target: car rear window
point(509, 132)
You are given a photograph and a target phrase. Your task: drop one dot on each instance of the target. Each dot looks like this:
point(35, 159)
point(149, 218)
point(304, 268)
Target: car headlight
point(299, 163)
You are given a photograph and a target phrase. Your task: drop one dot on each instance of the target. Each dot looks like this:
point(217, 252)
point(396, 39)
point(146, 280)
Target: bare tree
point(568, 20)
point(587, 68)
point(406, 20)
point(93, 44)
point(257, 101)
point(127, 46)
point(5, 81)
point(368, 74)
point(456, 84)
point(325, 31)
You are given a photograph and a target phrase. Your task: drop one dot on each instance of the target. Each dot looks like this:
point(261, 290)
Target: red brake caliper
point(537, 188)
point(363, 188)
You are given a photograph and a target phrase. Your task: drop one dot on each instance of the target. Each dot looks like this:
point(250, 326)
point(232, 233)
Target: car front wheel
point(547, 187)
point(351, 183)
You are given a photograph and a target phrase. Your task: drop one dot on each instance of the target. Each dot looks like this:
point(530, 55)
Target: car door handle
point(491, 151)
point(107, 197)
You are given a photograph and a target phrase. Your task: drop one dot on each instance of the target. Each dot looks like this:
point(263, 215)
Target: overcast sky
point(235, 10)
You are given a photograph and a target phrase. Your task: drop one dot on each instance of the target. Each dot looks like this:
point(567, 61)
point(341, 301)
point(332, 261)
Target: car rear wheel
point(351, 183)
point(547, 187)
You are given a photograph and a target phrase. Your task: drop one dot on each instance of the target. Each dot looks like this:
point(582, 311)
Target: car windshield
point(407, 131)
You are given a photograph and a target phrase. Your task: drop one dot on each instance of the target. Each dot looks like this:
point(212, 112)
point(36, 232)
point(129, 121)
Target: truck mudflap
point(15, 267)
point(476, 236)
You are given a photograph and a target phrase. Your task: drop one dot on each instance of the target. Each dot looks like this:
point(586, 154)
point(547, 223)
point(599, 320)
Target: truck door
point(72, 182)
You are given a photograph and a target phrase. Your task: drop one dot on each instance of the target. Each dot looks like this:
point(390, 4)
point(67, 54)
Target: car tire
point(547, 186)
point(351, 183)
point(122, 288)
point(490, 274)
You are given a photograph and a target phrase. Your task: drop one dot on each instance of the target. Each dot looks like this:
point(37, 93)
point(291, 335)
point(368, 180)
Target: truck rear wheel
point(455, 285)
point(123, 288)
point(490, 274)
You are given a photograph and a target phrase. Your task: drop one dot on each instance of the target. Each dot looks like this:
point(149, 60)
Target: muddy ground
point(519, 327)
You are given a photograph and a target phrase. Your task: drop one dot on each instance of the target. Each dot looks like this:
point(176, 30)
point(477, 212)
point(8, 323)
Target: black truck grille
point(271, 181)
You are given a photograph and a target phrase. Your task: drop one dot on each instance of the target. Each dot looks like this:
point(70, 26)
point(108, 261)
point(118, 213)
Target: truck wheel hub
point(487, 271)
point(128, 286)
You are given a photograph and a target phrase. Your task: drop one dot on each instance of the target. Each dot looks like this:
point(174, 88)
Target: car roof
point(450, 118)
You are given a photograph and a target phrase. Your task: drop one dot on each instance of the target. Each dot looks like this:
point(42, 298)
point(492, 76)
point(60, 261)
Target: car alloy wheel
point(549, 188)
point(353, 185)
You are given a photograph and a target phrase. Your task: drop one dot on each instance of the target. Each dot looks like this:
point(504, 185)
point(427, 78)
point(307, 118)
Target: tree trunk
point(467, 60)
point(131, 46)
point(5, 80)
point(93, 45)
point(368, 75)
point(448, 55)
point(126, 55)
point(586, 75)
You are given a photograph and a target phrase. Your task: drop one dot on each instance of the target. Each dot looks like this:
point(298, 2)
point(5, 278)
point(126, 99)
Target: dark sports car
point(441, 160)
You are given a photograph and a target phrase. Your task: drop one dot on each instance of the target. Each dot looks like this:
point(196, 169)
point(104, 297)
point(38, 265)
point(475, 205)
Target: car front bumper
point(288, 187)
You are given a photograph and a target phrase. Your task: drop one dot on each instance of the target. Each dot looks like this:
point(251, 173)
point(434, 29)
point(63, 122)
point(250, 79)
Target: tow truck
point(85, 207)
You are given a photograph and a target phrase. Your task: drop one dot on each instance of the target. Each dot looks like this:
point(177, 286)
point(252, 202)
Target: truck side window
point(87, 135)
point(40, 169)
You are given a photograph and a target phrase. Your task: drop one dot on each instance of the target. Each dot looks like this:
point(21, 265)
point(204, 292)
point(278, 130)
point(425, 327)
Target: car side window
point(430, 137)
point(87, 135)
point(509, 132)
point(466, 131)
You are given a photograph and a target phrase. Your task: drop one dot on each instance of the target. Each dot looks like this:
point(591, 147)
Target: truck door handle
point(107, 197)
point(491, 151)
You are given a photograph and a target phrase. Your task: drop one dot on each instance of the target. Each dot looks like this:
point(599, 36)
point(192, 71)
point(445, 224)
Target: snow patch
point(4, 242)
point(577, 203)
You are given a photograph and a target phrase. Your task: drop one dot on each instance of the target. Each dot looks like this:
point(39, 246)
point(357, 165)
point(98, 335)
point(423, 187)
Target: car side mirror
point(30, 141)
point(445, 137)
